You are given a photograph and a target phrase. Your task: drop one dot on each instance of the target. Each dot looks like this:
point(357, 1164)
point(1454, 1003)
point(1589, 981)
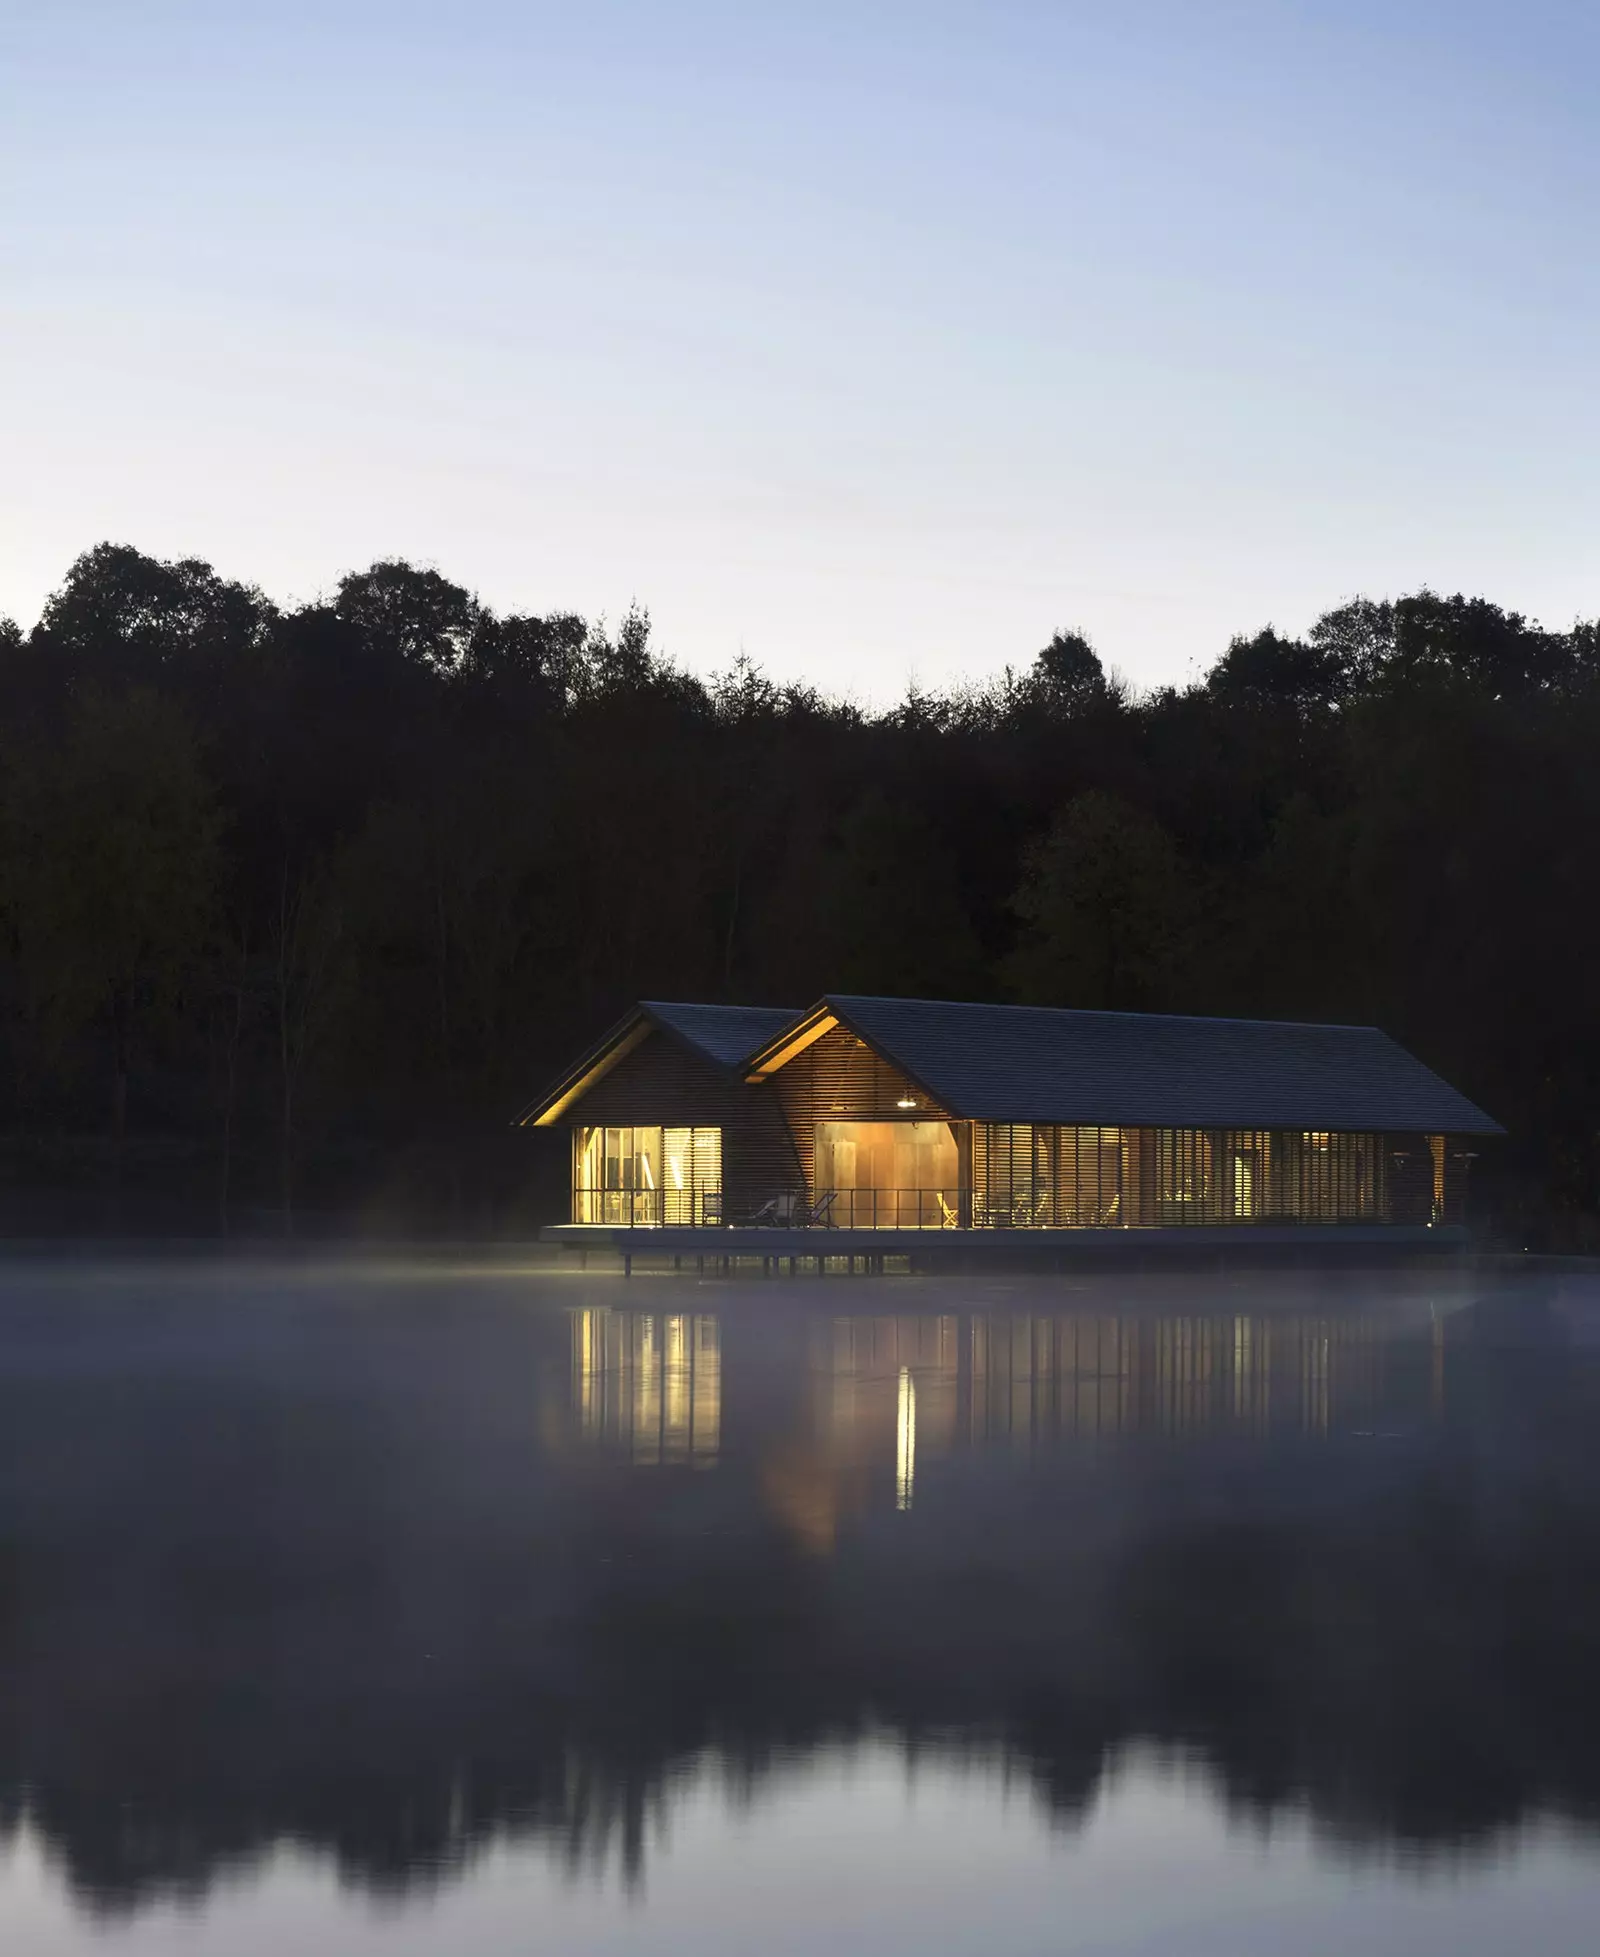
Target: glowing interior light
point(905, 1102)
point(649, 1178)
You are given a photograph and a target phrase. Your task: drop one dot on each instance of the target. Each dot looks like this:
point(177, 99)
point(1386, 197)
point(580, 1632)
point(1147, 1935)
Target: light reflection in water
point(880, 1388)
point(649, 1384)
point(373, 1600)
point(905, 1440)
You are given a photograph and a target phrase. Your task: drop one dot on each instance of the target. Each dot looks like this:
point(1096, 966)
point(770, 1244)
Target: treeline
point(300, 906)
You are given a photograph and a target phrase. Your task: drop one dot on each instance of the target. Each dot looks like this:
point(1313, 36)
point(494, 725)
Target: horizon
point(876, 355)
point(1012, 668)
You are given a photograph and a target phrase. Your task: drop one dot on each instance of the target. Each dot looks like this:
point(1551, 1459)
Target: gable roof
point(724, 1035)
point(1142, 1070)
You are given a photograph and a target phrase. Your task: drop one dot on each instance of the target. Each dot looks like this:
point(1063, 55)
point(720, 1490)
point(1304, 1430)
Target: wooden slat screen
point(840, 1078)
point(1058, 1177)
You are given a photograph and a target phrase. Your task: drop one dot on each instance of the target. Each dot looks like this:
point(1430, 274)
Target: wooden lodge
point(877, 1120)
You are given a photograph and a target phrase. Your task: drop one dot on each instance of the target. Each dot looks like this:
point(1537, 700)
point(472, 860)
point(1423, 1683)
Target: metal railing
point(957, 1209)
point(1040, 1210)
point(894, 1209)
point(640, 1209)
point(921, 1209)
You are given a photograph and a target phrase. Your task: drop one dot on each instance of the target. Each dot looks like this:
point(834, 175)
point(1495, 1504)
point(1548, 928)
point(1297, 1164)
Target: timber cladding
point(664, 1083)
point(841, 1078)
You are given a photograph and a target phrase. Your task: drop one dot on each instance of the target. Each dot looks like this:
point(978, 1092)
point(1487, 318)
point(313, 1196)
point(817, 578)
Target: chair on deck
point(817, 1212)
point(779, 1210)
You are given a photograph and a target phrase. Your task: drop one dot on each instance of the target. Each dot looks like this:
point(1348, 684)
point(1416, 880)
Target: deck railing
point(893, 1209)
point(917, 1209)
point(957, 1209)
point(696, 1207)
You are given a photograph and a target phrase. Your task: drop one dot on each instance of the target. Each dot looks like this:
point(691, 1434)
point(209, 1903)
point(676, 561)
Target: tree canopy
point(348, 881)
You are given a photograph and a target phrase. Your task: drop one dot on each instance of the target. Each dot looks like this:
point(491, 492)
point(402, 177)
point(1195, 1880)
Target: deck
point(930, 1250)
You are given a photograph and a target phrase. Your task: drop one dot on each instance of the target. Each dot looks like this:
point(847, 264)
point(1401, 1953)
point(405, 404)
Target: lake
point(404, 1606)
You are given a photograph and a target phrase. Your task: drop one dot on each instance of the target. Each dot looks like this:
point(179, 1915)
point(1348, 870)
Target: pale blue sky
point(876, 339)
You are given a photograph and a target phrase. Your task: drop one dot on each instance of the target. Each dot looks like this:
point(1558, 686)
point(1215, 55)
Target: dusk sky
point(877, 340)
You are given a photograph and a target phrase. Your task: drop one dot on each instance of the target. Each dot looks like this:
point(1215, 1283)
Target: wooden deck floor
point(980, 1249)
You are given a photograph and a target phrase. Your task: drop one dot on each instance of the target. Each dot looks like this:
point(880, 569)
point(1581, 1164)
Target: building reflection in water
point(905, 1440)
point(833, 1406)
point(650, 1384)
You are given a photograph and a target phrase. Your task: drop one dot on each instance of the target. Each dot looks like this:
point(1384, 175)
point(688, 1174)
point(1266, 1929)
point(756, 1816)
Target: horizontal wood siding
point(663, 1083)
point(840, 1078)
point(1409, 1163)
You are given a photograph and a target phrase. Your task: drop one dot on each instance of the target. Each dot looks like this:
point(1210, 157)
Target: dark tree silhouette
point(522, 822)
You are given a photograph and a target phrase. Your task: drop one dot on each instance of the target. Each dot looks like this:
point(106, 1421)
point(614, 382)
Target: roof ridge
point(1106, 1012)
point(713, 1005)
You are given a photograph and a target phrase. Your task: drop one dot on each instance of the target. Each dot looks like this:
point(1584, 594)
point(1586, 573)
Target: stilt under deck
point(797, 1250)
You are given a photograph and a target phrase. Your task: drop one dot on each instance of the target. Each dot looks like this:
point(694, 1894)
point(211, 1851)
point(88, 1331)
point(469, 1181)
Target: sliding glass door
point(647, 1175)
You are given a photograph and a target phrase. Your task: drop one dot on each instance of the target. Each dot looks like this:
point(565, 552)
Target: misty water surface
point(382, 1607)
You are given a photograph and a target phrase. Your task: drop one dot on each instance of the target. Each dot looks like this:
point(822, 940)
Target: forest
point(301, 906)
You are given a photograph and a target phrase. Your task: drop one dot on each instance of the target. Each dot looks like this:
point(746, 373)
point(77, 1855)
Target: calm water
point(414, 1609)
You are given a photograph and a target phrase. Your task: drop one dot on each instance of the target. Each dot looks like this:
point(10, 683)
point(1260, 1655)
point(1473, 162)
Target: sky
point(876, 341)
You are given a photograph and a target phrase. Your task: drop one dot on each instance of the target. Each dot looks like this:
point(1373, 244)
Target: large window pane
point(644, 1175)
point(889, 1174)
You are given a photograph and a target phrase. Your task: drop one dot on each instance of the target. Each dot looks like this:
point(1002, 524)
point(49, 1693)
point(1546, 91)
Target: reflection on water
point(905, 1440)
point(404, 1576)
point(650, 1384)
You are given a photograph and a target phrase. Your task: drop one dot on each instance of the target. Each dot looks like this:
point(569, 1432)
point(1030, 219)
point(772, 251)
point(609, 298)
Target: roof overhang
point(823, 1017)
point(794, 1039)
point(630, 1031)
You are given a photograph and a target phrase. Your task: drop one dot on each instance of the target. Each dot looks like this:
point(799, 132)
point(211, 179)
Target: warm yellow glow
point(646, 1176)
point(596, 1071)
point(775, 1057)
point(889, 1174)
point(905, 1442)
point(677, 1391)
point(650, 1387)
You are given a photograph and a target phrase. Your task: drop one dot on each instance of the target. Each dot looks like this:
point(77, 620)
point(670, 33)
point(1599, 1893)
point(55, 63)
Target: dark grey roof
point(727, 1034)
point(1033, 1063)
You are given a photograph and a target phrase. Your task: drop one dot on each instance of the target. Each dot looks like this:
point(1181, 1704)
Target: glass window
point(643, 1175)
point(893, 1174)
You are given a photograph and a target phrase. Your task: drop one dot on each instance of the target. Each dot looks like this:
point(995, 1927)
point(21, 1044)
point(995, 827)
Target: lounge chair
point(779, 1210)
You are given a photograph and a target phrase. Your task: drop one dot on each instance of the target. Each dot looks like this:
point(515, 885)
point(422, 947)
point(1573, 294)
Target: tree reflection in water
point(391, 1574)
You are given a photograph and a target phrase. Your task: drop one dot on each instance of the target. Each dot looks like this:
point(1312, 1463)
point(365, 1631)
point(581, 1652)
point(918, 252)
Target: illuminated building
point(897, 1116)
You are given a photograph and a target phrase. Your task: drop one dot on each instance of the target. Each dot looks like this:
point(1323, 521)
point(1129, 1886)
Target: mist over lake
point(386, 1603)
